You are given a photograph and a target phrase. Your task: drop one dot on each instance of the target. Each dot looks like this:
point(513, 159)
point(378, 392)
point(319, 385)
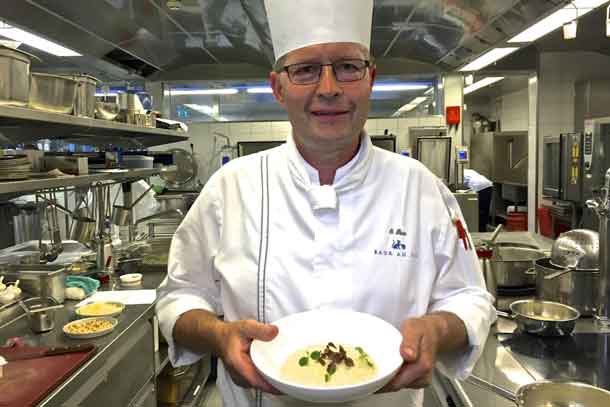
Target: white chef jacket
point(476, 181)
point(264, 240)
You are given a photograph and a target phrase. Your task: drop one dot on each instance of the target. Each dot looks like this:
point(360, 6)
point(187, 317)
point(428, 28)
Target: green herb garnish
point(315, 355)
point(303, 361)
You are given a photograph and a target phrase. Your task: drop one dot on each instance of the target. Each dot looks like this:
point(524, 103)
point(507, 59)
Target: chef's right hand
point(237, 339)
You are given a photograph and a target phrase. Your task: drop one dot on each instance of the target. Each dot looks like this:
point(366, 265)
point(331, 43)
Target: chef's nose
point(328, 85)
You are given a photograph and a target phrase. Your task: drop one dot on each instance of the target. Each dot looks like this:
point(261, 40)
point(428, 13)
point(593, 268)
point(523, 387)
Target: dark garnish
point(303, 361)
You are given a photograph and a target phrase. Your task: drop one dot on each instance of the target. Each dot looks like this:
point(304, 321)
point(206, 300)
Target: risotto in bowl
point(329, 356)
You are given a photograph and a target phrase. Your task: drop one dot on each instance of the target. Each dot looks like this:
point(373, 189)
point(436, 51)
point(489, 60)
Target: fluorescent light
point(101, 94)
point(562, 16)
point(259, 89)
point(570, 29)
point(608, 21)
point(410, 106)
point(205, 109)
point(35, 41)
point(488, 58)
point(482, 83)
point(469, 80)
point(398, 87)
point(188, 92)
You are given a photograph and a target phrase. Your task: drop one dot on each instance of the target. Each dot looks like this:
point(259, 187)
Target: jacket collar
point(347, 177)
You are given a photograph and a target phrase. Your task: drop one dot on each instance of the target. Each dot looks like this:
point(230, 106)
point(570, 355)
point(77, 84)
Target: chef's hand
point(235, 355)
point(419, 347)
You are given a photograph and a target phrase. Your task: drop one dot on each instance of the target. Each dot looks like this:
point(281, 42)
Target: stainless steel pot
point(548, 393)
point(41, 313)
point(40, 280)
point(510, 266)
point(577, 288)
point(52, 93)
point(173, 201)
point(14, 77)
point(84, 104)
point(544, 318)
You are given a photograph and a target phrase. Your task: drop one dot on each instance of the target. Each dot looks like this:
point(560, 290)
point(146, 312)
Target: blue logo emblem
point(395, 245)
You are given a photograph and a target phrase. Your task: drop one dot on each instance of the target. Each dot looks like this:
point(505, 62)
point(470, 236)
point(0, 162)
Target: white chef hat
point(296, 24)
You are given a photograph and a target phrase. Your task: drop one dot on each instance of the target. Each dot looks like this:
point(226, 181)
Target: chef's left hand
point(419, 347)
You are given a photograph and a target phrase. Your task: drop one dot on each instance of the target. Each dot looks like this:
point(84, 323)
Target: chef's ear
point(373, 74)
point(275, 79)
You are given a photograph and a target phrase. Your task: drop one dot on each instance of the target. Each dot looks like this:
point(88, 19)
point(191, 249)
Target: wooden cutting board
point(27, 382)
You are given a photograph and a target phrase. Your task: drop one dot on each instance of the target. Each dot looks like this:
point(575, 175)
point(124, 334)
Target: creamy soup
point(329, 365)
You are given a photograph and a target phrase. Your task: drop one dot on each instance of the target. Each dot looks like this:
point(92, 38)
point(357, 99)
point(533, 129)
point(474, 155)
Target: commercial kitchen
point(115, 115)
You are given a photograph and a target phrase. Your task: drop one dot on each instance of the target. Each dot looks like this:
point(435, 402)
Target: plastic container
point(516, 221)
point(137, 161)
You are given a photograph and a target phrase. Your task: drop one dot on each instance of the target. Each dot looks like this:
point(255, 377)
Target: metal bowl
point(577, 249)
point(548, 393)
point(544, 318)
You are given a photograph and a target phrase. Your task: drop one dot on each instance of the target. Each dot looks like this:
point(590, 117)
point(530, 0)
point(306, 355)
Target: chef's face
point(327, 115)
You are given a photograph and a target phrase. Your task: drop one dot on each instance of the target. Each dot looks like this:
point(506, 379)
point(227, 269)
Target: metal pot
point(41, 313)
point(544, 318)
point(52, 93)
point(513, 266)
point(550, 393)
point(84, 105)
point(173, 201)
point(40, 280)
point(14, 77)
point(576, 288)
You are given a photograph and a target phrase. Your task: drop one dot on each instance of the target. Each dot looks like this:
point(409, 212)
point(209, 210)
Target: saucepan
point(551, 393)
point(544, 318)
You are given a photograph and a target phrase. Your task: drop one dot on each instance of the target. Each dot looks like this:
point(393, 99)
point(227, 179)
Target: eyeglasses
point(346, 70)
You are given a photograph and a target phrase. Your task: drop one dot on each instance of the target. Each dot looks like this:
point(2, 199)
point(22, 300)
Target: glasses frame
point(367, 64)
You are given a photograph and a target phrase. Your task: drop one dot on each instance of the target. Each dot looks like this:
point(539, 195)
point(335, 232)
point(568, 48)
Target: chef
point(322, 223)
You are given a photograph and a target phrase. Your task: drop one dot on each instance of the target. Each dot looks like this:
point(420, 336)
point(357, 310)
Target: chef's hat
point(296, 24)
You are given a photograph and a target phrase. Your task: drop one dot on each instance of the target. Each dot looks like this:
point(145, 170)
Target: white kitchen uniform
point(264, 240)
point(476, 181)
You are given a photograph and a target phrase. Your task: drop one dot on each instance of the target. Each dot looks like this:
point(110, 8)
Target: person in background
point(484, 189)
point(321, 223)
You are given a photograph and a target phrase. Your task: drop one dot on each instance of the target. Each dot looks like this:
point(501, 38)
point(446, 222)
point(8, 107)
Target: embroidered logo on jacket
point(395, 245)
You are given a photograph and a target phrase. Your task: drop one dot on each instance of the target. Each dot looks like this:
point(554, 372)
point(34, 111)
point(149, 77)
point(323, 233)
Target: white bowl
point(377, 337)
point(131, 279)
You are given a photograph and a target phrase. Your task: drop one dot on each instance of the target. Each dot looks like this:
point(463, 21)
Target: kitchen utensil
point(186, 168)
point(14, 77)
point(52, 93)
point(510, 266)
point(577, 289)
point(122, 214)
point(106, 111)
point(544, 318)
point(495, 234)
point(29, 353)
point(39, 280)
point(85, 95)
point(576, 249)
point(172, 201)
point(549, 393)
point(128, 265)
point(40, 312)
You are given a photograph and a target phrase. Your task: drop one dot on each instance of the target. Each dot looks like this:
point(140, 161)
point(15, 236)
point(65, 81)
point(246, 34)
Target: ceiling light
point(196, 92)
point(489, 58)
point(259, 89)
point(398, 87)
point(608, 21)
point(557, 19)
point(570, 29)
point(482, 83)
point(469, 80)
point(205, 109)
point(102, 94)
point(35, 41)
point(410, 106)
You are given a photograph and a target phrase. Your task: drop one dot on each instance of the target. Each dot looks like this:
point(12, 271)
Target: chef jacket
point(264, 240)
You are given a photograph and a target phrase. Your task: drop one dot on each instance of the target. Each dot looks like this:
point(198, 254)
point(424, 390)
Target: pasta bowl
point(374, 337)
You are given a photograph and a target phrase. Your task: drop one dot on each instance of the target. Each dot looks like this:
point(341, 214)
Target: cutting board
point(26, 382)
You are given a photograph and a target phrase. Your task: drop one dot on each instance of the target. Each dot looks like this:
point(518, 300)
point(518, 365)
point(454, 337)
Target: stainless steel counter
point(127, 352)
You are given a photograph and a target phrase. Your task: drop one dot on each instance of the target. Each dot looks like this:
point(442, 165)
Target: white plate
point(113, 321)
point(377, 337)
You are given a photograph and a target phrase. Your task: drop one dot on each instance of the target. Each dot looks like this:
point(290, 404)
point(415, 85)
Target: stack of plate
point(14, 167)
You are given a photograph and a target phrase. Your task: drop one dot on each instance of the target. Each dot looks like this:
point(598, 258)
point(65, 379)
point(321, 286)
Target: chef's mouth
point(328, 113)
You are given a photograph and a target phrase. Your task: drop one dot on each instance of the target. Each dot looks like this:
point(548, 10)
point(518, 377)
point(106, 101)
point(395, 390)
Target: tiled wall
point(202, 136)
point(514, 111)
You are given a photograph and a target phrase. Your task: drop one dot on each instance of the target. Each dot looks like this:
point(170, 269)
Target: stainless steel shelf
point(22, 125)
point(8, 189)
